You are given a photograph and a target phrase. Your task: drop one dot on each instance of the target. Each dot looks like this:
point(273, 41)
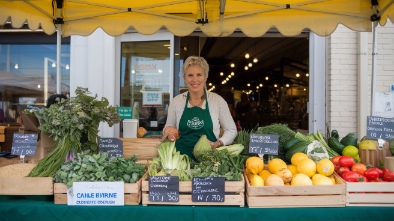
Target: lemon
point(307, 167)
point(301, 179)
point(257, 181)
point(297, 157)
point(325, 167)
point(350, 150)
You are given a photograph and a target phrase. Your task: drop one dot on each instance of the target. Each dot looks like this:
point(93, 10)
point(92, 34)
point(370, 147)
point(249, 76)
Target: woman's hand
point(171, 133)
point(216, 144)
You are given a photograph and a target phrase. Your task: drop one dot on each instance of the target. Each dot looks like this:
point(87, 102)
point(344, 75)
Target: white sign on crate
point(96, 194)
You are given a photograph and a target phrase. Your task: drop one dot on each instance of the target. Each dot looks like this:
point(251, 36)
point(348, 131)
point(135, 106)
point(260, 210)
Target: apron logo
point(195, 123)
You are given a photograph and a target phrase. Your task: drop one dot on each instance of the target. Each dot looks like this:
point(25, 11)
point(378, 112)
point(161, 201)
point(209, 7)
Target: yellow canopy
point(182, 17)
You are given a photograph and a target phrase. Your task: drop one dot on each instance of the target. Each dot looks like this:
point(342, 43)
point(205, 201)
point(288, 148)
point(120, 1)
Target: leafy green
point(98, 167)
point(201, 147)
point(220, 164)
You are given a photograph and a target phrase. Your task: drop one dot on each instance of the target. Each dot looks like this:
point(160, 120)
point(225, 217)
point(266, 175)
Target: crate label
point(113, 147)
point(24, 144)
point(264, 144)
point(164, 188)
point(380, 128)
point(208, 189)
point(96, 194)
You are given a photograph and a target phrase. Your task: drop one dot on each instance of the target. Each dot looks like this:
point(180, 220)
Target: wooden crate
point(234, 194)
point(144, 148)
point(369, 193)
point(26, 186)
point(296, 196)
point(132, 192)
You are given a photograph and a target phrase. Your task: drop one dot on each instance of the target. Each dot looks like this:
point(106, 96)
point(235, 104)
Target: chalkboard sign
point(24, 144)
point(264, 144)
point(113, 146)
point(380, 127)
point(164, 188)
point(208, 189)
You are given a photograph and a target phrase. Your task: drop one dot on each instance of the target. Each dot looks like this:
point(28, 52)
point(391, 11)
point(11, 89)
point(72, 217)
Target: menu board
point(24, 144)
point(208, 189)
point(264, 144)
point(164, 188)
point(113, 146)
point(380, 128)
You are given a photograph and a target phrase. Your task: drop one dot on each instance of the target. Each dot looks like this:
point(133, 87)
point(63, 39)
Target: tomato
point(351, 176)
point(384, 169)
point(372, 173)
point(360, 168)
point(335, 159)
point(342, 170)
point(346, 161)
point(388, 176)
point(381, 173)
point(362, 179)
point(336, 167)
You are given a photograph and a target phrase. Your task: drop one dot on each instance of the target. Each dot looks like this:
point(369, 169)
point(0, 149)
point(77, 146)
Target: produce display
point(98, 167)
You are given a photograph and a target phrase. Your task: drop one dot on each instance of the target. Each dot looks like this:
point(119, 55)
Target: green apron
point(194, 122)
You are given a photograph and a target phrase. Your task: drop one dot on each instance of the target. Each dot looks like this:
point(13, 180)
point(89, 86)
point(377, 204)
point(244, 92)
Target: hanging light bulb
point(232, 74)
point(266, 78)
point(307, 74)
point(250, 65)
point(232, 65)
point(53, 65)
point(255, 60)
point(246, 68)
point(16, 66)
point(247, 55)
point(221, 73)
point(67, 67)
point(298, 74)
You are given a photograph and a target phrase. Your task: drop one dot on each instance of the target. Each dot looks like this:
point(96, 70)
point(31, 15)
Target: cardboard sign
point(264, 144)
point(113, 146)
point(125, 112)
point(208, 189)
point(380, 128)
point(24, 144)
point(164, 188)
point(96, 194)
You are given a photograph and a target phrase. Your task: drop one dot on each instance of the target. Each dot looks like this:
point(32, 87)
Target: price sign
point(164, 188)
point(380, 128)
point(113, 146)
point(264, 144)
point(208, 189)
point(24, 144)
point(125, 112)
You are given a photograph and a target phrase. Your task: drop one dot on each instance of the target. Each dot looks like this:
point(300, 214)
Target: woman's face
point(195, 79)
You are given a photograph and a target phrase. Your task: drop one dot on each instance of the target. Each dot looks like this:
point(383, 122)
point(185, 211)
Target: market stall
point(42, 208)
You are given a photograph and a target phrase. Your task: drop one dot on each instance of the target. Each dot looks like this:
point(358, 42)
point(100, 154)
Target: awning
point(213, 17)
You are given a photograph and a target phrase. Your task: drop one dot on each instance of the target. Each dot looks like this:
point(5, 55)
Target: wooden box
point(26, 186)
point(296, 196)
point(375, 157)
point(2, 129)
point(144, 148)
point(369, 193)
point(132, 192)
point(234, 194)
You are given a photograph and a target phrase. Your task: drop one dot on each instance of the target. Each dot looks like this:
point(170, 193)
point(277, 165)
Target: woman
point(197, 112)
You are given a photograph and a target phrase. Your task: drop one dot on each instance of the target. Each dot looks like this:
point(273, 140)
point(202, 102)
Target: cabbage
point(201, 147)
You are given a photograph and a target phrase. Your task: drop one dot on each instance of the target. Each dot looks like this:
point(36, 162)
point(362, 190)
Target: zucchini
point(290, 143)
point(300, 146)
point(335, 145)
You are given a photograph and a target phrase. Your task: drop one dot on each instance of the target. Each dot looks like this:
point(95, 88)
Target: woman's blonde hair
point(195, 61)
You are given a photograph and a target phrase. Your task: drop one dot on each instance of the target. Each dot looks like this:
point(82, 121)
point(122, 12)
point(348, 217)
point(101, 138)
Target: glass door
point(146, 77)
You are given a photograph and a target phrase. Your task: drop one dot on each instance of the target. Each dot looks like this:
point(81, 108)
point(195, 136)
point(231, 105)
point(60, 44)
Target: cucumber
point(296, 148)
point(290, 143)
point(335, 145)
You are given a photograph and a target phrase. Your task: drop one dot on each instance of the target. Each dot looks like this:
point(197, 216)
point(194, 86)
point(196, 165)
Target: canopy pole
point(58, 62)
point(375, 20)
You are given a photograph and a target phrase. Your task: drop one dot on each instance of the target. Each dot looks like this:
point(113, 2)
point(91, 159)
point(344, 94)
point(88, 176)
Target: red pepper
point(346, 161)
point(342, 170)
point(351, 176)
point(388, 176)
point(381, 173)
point(372, 173)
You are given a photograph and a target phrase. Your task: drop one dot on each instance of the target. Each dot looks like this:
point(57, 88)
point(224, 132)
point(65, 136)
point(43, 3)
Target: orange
point(254, 164)
point(301, 179)
point(293, 169)
point(264, 174)
point(276, 164)
point(307, 167)
point(325, 167)
point(297, 157)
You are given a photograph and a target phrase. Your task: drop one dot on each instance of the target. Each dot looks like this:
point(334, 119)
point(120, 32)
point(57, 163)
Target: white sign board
point(152, 98)
point(96, 194)
point(384, 104)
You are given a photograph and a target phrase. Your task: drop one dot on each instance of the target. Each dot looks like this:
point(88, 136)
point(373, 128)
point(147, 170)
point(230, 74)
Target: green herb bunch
point(73, 123)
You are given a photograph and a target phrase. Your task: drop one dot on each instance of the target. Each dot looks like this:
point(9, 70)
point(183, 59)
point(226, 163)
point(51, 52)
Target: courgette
point(296, 148)
point(291, 142)
point(335, 145)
